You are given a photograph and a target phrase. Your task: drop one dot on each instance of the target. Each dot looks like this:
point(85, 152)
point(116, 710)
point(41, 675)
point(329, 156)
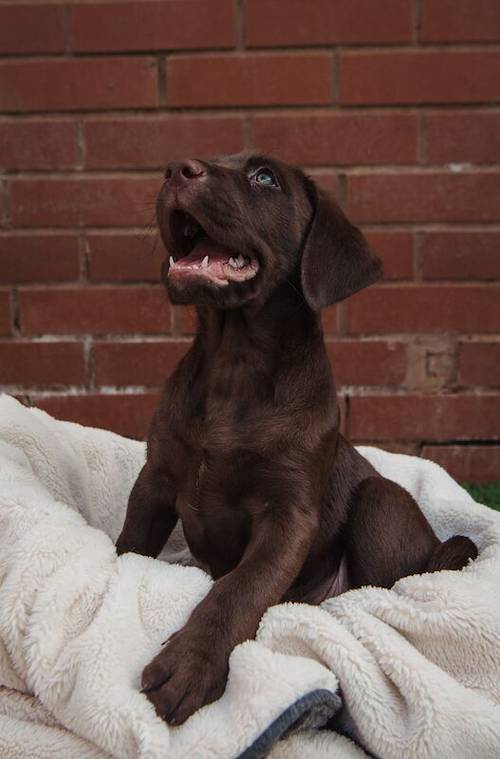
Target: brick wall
point(392, 105)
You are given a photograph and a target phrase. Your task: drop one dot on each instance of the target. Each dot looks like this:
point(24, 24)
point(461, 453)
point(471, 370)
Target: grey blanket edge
point(312, 710)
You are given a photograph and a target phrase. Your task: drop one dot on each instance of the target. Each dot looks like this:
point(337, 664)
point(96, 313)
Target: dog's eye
point(266, 178)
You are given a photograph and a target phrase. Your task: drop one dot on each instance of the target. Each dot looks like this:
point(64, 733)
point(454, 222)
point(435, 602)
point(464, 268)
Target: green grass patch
point(487, 493)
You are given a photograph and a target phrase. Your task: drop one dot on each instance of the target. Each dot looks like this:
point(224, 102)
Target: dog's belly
point(339, 582)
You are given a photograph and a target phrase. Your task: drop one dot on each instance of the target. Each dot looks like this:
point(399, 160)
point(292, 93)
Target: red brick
point(329, 320)
point(425, 308)
point(4, 204)
point(126, 414)
point(31, 29)
point(41, 364)
point(435, 196)
point(463, 137)
point(421, 417)
point(99, 310)
point(368, 362)
point(460, 20)
point(38, 258)
point(466, 463)
point(153, 142)
point(5, 318)
point(461, 255)
point(338, 138)
point(69, 202)
point(145, 363)
point(325, 180)
point(323, 22)
point(78, 83)
point(270, 79)
point(395, 249)
point(420, 77)
point(480, 365)
point(169, 24)
point(37, 144)
point(124, 257)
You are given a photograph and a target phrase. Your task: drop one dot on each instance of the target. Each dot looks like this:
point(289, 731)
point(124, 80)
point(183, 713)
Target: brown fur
point(244, 447)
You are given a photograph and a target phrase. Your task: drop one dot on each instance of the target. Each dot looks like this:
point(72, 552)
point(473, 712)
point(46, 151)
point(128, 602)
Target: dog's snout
point(184, 171)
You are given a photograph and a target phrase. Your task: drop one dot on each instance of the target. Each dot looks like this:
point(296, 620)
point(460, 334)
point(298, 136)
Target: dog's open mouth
point(197, 255)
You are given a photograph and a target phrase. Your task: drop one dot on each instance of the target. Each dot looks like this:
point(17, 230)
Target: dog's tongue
point(204, 248)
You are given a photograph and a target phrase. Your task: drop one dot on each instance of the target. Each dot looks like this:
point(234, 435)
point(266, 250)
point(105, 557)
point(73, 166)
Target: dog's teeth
point(240, 261)
point(233, 263)
point(204, 263)
point(171, 261)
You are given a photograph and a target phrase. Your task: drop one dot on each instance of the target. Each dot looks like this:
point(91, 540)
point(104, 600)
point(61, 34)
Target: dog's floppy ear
point(336, 260)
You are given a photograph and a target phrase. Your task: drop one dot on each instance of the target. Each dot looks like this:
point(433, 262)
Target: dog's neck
point(282, 322)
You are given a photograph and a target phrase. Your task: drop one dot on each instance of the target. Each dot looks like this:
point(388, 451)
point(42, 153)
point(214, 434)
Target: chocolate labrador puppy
point(244, 447)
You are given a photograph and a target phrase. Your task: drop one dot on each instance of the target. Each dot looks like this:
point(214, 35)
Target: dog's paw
point(189, 673)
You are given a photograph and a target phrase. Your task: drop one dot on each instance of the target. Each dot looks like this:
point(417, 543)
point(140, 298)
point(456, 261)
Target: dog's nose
point(184, 171)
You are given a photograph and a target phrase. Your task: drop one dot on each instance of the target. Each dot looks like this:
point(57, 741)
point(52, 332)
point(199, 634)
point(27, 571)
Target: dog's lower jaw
point(199, 291)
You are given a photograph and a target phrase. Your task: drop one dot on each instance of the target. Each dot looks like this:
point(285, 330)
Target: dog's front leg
point(151, 514)
point(192, 669)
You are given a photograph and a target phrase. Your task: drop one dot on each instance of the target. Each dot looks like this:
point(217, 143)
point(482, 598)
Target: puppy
point(244, 447)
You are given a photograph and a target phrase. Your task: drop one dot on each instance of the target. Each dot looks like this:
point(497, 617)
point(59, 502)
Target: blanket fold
point(413, 671)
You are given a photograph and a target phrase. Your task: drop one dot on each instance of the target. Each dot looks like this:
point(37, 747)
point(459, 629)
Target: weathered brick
point(264, 79)
point(480, 364)
point(145, 25)
point(338, 138)
point(463, 137)
point(98, 310)
point(41, 364)
point(38, 257)
point(5, 315)
point(59, 202)
point(153, 142)
point(425, 417)
point(460, 21)
point(461, 255)
point(421, 76)
point(78, 83)
point(128, 257)
point(395, 249)
point(322, 22)
point(430, 196)
point(125, 413)
point(137, 363)
point(431, 362)
point(426, 308)
point(367, 362)
point(31, 28)
point(466, 463)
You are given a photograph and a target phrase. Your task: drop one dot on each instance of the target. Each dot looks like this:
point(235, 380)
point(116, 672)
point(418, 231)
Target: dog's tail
point(454, 553)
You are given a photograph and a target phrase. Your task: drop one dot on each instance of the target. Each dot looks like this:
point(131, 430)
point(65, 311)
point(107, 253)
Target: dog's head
point(236, 227)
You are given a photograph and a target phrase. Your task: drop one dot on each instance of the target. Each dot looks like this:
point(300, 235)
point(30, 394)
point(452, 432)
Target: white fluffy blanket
point(417, 667)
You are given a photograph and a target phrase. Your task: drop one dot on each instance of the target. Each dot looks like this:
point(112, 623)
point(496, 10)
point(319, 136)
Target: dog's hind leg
point(454, 553)
point(388, 537)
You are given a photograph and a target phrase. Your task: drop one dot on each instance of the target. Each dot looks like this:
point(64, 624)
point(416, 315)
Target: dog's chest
point(213, 453)
point(212, 509)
